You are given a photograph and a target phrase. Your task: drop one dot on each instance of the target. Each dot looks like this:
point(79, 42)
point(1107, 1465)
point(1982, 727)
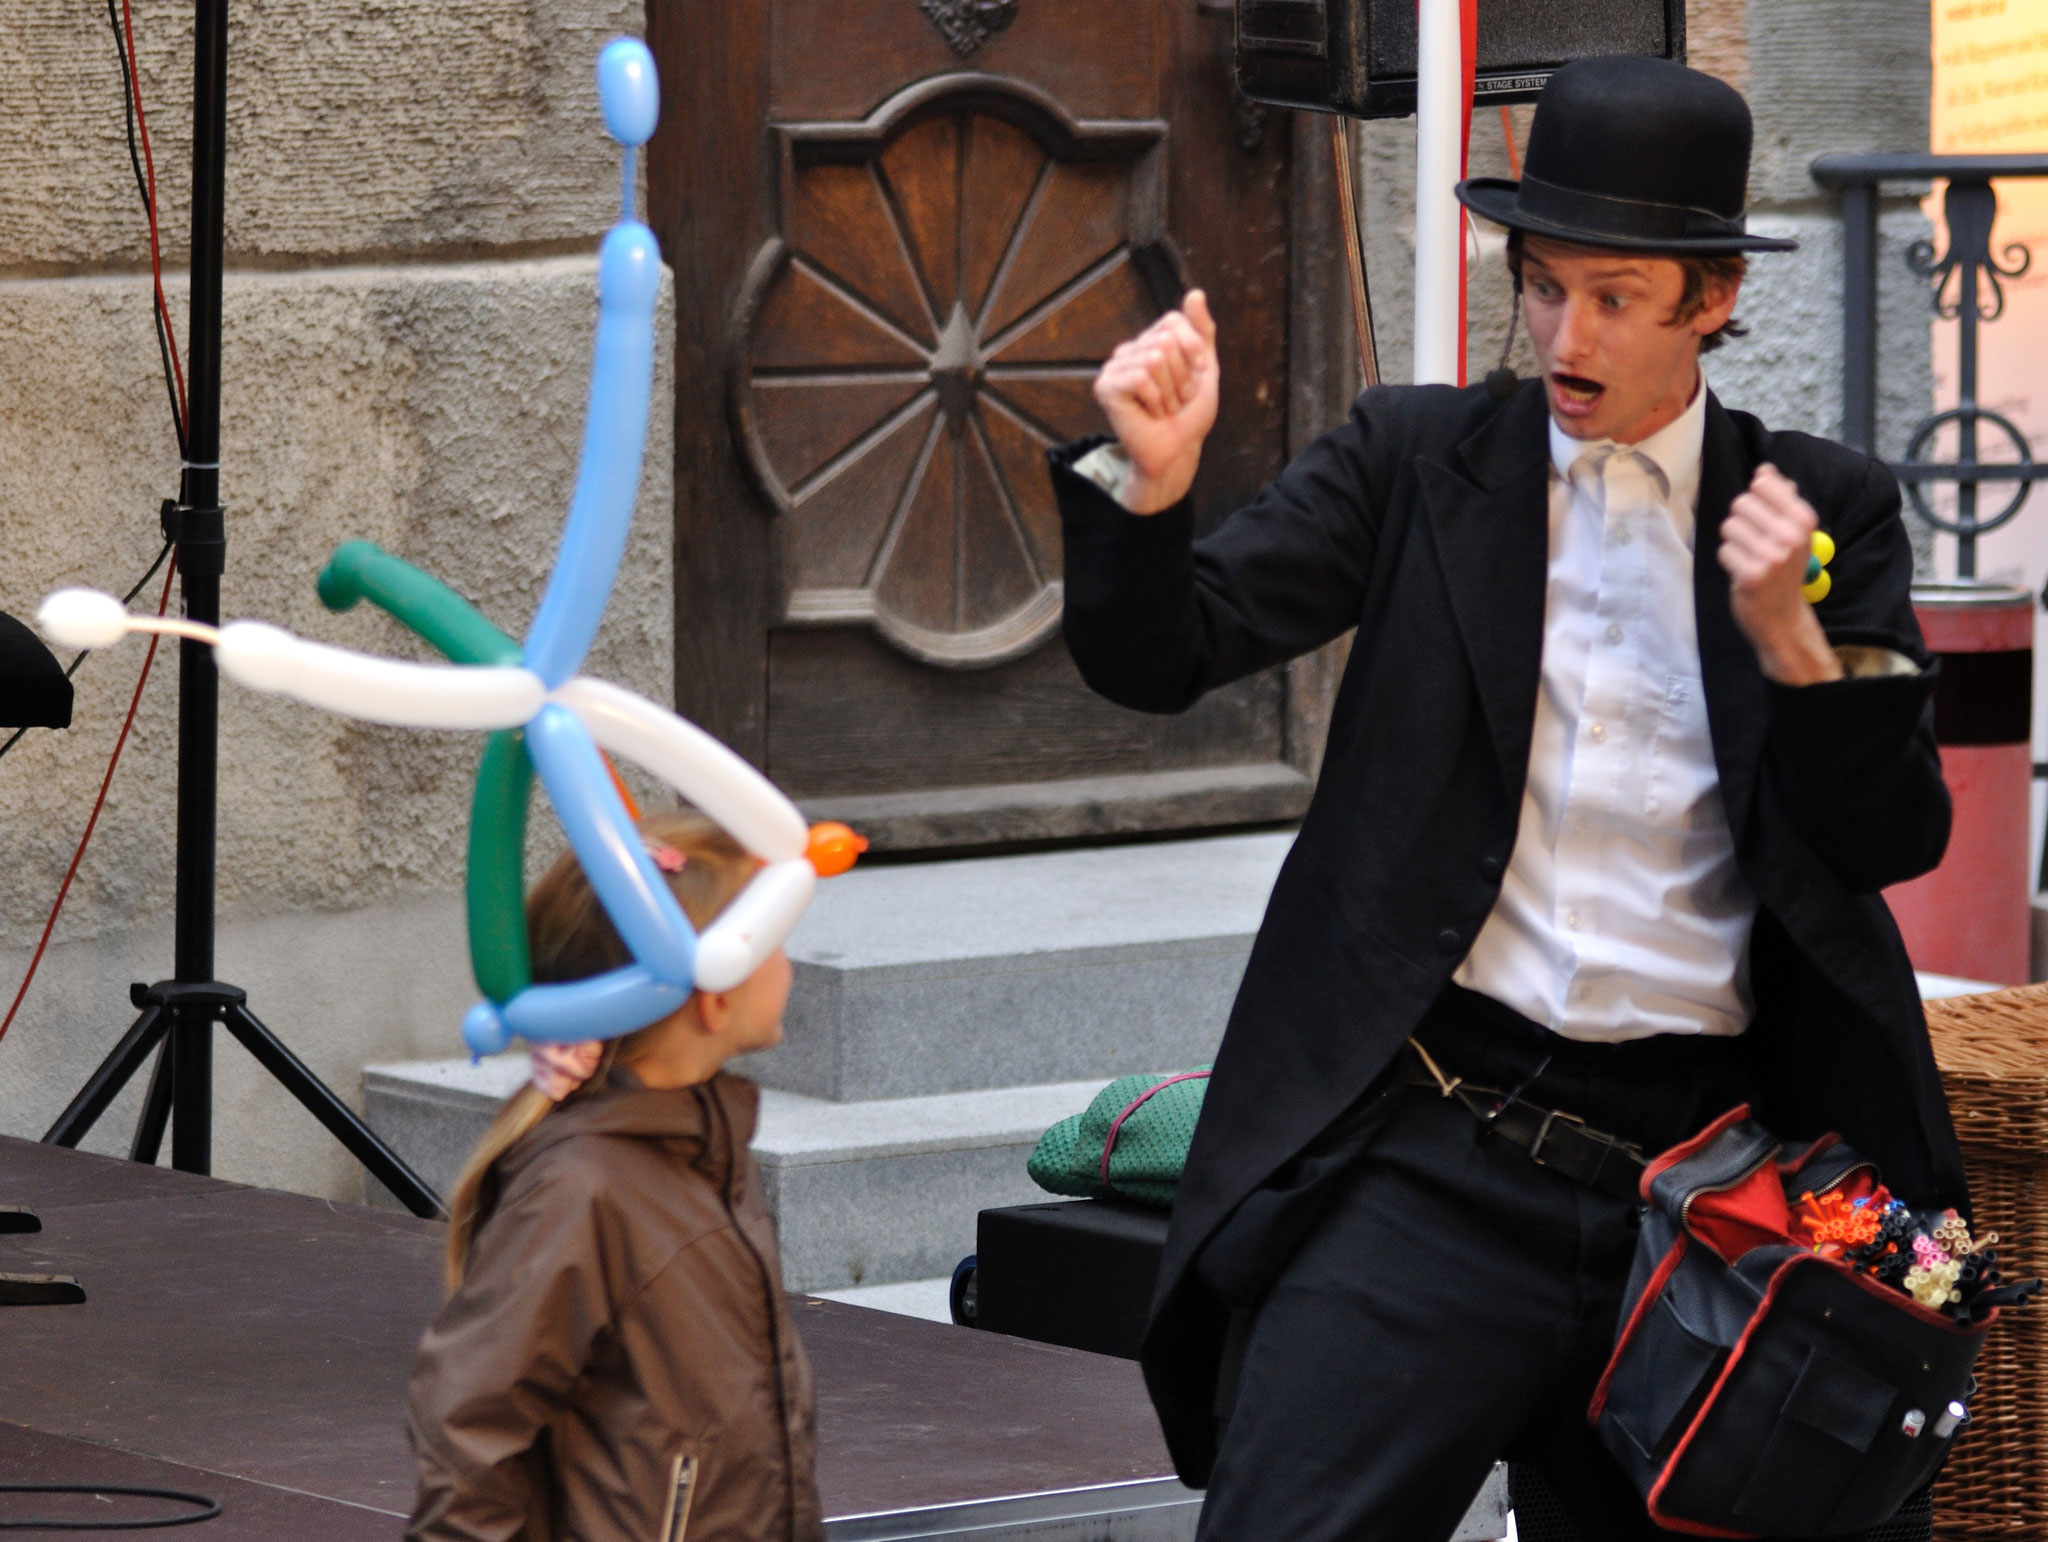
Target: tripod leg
point(363, 1143)
point(156, 1111)
point(106, 1083)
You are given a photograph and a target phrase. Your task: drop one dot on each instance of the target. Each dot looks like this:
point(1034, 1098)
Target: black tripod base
point(197, 1006)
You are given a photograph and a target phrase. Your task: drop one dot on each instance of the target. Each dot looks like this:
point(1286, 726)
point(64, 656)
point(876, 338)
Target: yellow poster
point(1991, 98)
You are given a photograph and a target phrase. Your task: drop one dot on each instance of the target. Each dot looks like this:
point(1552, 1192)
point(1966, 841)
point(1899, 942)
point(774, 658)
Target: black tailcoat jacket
point(1423, 522)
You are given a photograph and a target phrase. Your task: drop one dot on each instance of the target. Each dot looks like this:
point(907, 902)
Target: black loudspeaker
point(1357, 57)
point(34, 692)
point(1077, 1272)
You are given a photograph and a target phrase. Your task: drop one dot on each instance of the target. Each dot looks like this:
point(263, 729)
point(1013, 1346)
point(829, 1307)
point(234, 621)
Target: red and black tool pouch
point(1758, 1388)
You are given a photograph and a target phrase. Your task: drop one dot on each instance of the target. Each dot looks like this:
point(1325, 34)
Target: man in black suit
point(1606, 808)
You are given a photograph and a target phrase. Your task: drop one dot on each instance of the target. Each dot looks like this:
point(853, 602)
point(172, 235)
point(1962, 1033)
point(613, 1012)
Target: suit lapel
point(1489, 517)
point(1734, 684)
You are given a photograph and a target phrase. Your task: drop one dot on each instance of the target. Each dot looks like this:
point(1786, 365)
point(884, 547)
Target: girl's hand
point(559, 1069)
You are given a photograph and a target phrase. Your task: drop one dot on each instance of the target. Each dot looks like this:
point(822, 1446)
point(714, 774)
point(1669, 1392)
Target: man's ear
point(1719, 307)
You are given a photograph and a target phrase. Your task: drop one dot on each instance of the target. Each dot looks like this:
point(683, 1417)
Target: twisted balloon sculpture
point(545, 717)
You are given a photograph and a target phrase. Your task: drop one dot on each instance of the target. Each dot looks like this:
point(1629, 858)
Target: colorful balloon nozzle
point(834, 848)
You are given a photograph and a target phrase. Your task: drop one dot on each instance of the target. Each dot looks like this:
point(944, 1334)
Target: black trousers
point(1452, 1304)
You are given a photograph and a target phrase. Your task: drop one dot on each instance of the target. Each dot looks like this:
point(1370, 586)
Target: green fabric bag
point(1131, 1142)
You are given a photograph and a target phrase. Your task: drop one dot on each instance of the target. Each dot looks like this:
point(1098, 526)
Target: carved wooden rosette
point(949, 274)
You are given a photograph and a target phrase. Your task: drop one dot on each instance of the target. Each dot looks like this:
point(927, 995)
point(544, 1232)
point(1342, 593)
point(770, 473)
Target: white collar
point(1674, 449)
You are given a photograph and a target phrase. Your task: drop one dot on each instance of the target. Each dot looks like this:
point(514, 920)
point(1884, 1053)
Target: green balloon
point(497, 847)
point(363, 570)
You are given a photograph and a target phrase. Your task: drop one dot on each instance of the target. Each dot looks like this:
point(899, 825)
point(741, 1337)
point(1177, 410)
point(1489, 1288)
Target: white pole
point(1440, 100)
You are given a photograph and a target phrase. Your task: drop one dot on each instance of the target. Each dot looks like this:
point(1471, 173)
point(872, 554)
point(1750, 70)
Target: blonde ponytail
point(571, 938)
point(522, 1111)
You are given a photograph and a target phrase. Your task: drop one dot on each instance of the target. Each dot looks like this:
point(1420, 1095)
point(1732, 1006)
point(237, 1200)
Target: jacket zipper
point(768, 1293)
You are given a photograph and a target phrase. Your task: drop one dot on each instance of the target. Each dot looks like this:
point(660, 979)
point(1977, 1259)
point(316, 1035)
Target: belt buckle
point(1550, 1118)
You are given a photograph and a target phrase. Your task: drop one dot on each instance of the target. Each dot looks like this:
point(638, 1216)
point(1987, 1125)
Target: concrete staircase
point(943, 1015)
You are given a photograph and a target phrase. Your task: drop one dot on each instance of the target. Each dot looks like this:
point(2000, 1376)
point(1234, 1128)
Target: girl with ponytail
point(616, 1358)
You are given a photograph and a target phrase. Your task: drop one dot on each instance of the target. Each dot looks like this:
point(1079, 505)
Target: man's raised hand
point(1159, 392)
point(1765, 541)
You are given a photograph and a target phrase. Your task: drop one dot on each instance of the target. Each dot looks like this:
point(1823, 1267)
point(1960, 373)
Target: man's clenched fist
point(1159, 391)
point(1765, 541)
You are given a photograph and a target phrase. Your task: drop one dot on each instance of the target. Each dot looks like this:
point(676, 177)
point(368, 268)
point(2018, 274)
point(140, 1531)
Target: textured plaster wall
point(1820, 75)
point(415, 195)
point(354, 126)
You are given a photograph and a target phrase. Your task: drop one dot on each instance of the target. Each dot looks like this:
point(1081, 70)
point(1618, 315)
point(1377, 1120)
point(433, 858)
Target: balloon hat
point(544, 717)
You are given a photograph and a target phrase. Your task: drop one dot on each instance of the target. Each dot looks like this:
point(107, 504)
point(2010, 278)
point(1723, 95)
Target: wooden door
point(905, 233)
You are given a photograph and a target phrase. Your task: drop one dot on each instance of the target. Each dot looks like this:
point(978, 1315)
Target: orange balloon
point(834, 848)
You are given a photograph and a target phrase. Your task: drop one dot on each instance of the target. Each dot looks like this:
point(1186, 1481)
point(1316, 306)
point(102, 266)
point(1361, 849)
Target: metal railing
point(1971, 207)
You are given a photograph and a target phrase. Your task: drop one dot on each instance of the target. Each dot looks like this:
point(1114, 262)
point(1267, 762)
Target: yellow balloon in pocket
point(1818, 583)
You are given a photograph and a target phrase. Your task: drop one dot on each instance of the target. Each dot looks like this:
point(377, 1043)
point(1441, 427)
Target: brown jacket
point(623, 1315)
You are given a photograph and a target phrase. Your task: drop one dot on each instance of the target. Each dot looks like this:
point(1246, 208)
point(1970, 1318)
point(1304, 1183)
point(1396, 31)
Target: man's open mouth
point(1577, 388)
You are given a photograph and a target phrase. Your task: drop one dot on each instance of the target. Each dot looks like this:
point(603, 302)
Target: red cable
point(1507, 132)
point(99, 803)
point(156, 265)
point(1468, 48)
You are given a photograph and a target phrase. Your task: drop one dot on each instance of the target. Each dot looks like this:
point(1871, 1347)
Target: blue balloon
point(631, 889)
point(629, 90)
point(614, 857)
point(614, 440)
point(601, 1007)
point(484, 1030)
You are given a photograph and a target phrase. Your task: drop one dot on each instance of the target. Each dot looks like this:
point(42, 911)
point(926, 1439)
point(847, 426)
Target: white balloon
point(732, 793)
point(267, 658)
point(83, 618)
point(754, 925)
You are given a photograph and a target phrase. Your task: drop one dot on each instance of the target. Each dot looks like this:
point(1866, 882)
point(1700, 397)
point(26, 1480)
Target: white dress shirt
point(1621, 914)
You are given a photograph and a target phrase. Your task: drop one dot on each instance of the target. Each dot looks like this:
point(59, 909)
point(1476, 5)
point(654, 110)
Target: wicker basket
point(1993, 1054)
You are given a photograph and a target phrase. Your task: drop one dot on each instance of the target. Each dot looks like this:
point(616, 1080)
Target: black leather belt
point(1562, 1142)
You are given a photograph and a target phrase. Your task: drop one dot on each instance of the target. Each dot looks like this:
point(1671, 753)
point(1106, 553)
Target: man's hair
point(1698, 273)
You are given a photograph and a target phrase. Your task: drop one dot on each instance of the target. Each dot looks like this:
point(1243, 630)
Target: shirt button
point(1614, 634)
point(1448, 940)
point(1571, 920)
point(1597, 733)
point(1622, 537)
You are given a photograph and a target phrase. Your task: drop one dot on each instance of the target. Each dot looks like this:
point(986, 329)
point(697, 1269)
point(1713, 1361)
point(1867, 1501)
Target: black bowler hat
point(1635, 154)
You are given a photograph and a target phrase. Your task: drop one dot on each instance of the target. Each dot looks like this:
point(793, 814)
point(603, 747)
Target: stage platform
point(253, 1346)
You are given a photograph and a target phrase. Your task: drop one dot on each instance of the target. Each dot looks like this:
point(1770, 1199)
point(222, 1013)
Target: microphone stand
point(178, 1014)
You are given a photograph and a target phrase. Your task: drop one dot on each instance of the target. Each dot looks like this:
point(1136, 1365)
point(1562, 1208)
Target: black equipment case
point(1357, 57)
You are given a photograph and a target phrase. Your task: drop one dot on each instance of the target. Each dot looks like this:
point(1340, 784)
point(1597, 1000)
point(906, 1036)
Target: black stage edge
point(254, 1346)
point(177, 1015)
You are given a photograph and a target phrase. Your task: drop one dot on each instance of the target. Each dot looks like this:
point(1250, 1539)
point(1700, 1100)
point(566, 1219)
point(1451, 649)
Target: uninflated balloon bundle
point(1930, 1255)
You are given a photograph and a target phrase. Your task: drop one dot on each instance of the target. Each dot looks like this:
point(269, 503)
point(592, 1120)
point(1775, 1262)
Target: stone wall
point(414, 198)
point(1820, 75)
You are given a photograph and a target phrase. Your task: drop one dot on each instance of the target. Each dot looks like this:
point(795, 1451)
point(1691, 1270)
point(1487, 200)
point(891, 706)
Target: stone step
point(867, 1193)
point(1016, 971)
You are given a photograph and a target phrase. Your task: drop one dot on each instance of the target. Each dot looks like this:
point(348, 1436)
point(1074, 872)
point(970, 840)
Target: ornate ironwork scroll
point(1967, 289)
